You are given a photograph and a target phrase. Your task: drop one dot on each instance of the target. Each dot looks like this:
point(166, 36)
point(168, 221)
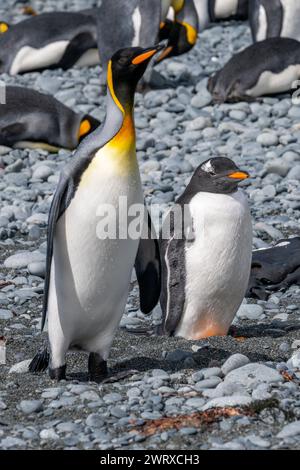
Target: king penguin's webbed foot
point(97, 367)
point(58, 374)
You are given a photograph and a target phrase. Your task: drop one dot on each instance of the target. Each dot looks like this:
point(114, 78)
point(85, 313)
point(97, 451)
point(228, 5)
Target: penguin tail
point(40, 361)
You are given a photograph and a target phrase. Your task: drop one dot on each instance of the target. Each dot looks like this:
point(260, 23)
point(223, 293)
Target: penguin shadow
point(274, 329)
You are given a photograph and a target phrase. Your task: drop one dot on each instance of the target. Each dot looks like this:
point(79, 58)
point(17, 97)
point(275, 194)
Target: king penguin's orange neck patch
point(3, 27)
point(84, 128)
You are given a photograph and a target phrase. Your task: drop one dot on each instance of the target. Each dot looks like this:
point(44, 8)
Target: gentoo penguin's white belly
point(225, 8)
point(89, 58)
point(271, 83)
point(262, 29)
point(30, 58)
point(217, 263)
point(90, 276)
point(291, 15)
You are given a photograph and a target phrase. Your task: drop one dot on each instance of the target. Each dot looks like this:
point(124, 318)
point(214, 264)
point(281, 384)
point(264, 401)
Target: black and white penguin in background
point(275, 268)
point(274, 18)
point(205, 273)
point(264, 68)
point(50, 40)
point(139, 22)
point(87, 276)
point(210, 11)
point(29, 119)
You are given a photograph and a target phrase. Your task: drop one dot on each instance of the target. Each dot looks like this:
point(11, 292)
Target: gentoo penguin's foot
point(58, 374)
point(97, 367)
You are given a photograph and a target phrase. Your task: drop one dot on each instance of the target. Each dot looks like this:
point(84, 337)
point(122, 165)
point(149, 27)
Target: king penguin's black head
point(125, 69)
point(218, 175)
point(181, 38)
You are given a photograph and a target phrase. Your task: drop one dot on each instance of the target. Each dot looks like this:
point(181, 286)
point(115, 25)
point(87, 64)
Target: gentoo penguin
point(276, 18)
point(88, 275)
point(50, 40)
point(140, 23)
point(264, 68)
point(206, 243)
point(275, 268)
point(41, 121)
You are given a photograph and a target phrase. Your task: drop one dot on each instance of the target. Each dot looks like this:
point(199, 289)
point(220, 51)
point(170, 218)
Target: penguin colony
point(200, 270)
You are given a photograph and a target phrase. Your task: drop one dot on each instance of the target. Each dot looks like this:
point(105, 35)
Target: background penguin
point(50, 40)
point(264, 68)
point(210, 11)
point(275, 268)
point(88, 278)
point(274, 18)
point(184, 31)
point(41, 121)
point(138, 22)
point(205, 273)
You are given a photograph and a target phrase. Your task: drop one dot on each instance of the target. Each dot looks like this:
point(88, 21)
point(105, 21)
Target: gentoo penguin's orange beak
point(147, 54)
point(239, 175)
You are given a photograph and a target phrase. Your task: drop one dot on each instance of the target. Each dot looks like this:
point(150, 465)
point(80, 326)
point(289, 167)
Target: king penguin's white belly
point(30, 58)
point(89, 58)
point(271, 83)
point(225, 8)
point(262, 24)
point(217, 264)
point(291, 18)
point(92, 275)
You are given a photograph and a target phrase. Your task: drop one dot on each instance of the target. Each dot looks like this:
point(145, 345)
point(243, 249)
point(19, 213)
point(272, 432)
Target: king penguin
point(265, 68)
point(206, 248)
point(88, 277)
point(50, 40)
point(210, 11)
point(41, 121)
point(276, 18)
point(140, 22)
point(183, 31)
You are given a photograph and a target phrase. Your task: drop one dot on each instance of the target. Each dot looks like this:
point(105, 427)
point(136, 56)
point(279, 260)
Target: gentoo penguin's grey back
point(54, 39)
point(274, 18)
point(264, 68)
point(41, 121)
point(205, 268)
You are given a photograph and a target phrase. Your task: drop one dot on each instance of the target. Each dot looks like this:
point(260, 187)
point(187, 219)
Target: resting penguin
point(41, 121)
point(88, 277)
point(275, 268)
point(50, 40)
point(205, 272)
point(138, 22)
point(275, 18)
point(264, 68)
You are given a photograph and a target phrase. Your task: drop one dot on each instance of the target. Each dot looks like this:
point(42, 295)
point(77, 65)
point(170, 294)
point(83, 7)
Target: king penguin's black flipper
point(148, 268)
point(40, 361)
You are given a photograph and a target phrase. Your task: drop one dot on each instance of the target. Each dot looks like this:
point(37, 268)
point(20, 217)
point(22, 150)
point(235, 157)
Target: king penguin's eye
point(123, 61)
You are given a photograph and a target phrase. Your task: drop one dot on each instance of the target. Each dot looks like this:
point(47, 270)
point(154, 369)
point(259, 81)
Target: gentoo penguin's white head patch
point(208, 168)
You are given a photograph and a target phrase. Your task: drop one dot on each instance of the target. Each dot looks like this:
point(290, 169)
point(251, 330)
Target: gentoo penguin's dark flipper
point(274, 268)
point(172, 252)
point(148, 268)
point(40, 361)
